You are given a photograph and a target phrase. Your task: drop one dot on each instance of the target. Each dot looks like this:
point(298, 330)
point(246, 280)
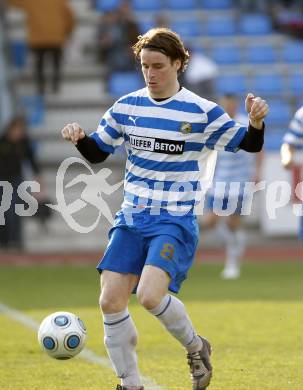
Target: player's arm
point(87, 146)
point(287, 155)
point(257, 110)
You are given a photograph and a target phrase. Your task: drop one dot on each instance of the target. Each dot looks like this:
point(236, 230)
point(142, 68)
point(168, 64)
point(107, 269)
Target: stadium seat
point(143, 5)
point(34, 109)
point(220, 25)
point(181, 4)
point(186, 28)
point(260, 54)
point(216, 4)
point(145, 25)
point(231, 84)
point(122, 83)
point(295, 84)
point(255, 24)
point(268, 84)
point(293, 52)
point(227, 54)
point(18, 51)
point(274, 139)
point(279, 113)
point(107, 5)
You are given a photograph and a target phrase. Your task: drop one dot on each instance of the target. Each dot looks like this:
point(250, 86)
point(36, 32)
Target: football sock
point(120, 339)
point(235, 248)
point(172, 314)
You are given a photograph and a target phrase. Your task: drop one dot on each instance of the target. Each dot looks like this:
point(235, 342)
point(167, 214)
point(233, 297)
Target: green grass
point(254, 324)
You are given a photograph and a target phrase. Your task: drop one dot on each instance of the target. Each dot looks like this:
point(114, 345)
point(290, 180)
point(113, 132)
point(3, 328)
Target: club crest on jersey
point(185, 128)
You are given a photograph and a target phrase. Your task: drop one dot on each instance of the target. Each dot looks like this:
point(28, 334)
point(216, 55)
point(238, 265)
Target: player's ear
point(177, 65)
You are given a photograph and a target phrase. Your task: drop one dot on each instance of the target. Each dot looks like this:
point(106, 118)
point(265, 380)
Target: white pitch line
point(86, 354)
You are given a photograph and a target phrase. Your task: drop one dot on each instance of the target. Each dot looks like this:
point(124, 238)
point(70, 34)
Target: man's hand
point(287, 154)
point(257, 109)
point(72, 132)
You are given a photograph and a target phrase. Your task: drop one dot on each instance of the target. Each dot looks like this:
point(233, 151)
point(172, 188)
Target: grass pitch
point(254, 325)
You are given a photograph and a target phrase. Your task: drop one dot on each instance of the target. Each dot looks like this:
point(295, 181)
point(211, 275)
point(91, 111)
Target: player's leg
point(235, 246)
point(119, 277)
point(167, 263)
point(120, 334)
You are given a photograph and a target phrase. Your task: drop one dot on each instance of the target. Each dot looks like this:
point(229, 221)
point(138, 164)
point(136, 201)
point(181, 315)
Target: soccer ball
point(62, 335)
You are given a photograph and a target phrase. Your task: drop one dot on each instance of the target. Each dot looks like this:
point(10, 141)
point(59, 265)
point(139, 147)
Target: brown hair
point(166, 41)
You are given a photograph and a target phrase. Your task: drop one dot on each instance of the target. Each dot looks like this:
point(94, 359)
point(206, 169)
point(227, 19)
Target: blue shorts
point(167, 242)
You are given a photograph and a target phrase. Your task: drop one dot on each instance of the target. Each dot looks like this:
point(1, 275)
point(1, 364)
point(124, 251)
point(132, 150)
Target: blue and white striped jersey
point(233, 167)
point(171, 147)
point(294, 136)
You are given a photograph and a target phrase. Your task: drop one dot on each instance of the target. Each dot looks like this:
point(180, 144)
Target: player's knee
point(147, 300)
point(108, 305)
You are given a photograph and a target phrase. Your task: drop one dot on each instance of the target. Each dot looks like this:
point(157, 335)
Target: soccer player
point(292, 142)
point(171, 136)
point(232, 171)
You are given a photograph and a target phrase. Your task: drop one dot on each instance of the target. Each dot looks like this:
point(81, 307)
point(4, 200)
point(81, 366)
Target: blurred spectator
point(237, 168)
point(116, 34)
point(15, 150)
point(292, 147)
point(287, 17)
point(200, 75)
point(50, 23)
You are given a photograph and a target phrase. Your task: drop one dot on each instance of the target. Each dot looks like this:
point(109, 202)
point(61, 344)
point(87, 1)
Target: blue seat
point(279, 113)
point(122, 83)
point(186, 28)
point(231, 84)
point(295, 84)
point(227, 54)
point(145, 25)
point(107, 5)
point(216, 4)
point(274, 139)
point(260, 54)
point(18, 51)
point(268, 84)
point(143, 5)
point(181, 4)
point(34, 109)
point(255, 24)
point(220, 26)
point(293, 52)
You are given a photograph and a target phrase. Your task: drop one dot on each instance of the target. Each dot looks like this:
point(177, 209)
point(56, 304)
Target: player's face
point(160, 73)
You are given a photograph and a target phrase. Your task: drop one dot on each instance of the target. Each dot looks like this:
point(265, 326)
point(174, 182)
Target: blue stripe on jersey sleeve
point(214, 114)
point(295, 133)
point(164, 166)
point(172, 105)
point(102, 145)
point(163, 185)
point(215, 135)
point(233, 144)
point(112, 132)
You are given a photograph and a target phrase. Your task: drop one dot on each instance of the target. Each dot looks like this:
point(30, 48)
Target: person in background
point(292, 145)
point(49, 23)
point(117, 32)
point(15, 150)
point(239, 168)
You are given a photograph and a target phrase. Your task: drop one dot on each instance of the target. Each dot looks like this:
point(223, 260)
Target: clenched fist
point(72, 132)
point(257, 109)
